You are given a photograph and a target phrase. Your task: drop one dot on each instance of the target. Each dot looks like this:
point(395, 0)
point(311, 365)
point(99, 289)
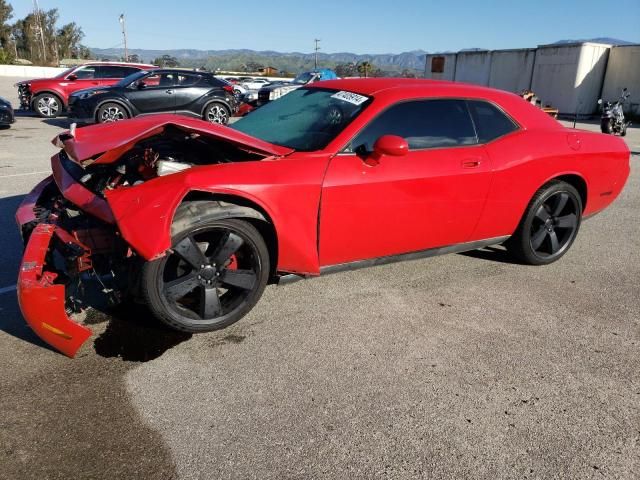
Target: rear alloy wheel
point(47, 105)
point(215, 274)
point(111, 112)
point(550, 225)
point(217, 113)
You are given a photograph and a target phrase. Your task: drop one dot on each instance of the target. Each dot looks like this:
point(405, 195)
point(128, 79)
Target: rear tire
point(606, 126)
point(216, 273)
point(216, 112)
point(549, 226)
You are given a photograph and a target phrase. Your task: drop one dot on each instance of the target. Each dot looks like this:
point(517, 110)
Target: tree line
point(38, 39)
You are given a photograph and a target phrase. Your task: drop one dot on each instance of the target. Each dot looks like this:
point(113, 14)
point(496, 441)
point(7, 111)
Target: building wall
point(473, 67)
point(449, 67)
point(511, 70)
point(623, 70)
point(569, 77)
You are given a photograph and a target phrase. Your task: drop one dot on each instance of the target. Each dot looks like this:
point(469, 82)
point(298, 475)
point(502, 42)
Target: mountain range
point(238, 59)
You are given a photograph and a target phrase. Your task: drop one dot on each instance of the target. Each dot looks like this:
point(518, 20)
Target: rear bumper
point(41, 300)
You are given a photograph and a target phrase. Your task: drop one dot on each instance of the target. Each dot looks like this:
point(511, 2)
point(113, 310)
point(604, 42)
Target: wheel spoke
point(538, 238)
point(542, 213)
point(179, 287)
point(555, 246)
point(563, 198)
point(209, 303)
point(244, 279)
point(188, 249)
point(229, 245)
point(568, 221)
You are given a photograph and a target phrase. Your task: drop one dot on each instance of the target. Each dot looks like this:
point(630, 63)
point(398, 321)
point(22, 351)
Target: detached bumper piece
point(42, 301)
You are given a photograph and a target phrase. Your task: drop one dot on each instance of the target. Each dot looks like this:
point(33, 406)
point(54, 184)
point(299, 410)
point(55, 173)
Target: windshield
point(304, 78)
point(306, 119)
point(66, 72)
point(131, 78)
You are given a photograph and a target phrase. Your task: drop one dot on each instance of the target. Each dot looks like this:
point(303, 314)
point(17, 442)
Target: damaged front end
point(71, 261)
point(77, 255)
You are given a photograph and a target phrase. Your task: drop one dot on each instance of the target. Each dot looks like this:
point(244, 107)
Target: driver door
point(157, 95)
point(431, 197)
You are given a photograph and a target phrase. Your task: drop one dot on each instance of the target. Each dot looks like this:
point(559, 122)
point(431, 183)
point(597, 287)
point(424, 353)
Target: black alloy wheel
point(549, 226)
point(214, 275)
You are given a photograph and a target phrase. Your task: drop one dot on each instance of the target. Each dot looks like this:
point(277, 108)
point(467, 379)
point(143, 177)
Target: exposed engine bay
point(169, 152)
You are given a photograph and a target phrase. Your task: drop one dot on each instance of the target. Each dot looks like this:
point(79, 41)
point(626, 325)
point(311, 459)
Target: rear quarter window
point(490, 121)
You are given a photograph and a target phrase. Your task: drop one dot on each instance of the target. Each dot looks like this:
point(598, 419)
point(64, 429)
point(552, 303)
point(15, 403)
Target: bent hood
point(99, 144)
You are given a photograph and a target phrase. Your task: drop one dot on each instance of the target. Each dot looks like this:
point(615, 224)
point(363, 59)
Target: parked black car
point(191, 93)
point(6, 113)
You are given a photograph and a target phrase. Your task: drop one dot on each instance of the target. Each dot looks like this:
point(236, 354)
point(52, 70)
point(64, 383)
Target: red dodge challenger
point(196, 219)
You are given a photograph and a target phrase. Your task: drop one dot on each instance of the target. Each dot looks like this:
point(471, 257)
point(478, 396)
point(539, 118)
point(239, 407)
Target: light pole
point(317, 40)
point(124, 36)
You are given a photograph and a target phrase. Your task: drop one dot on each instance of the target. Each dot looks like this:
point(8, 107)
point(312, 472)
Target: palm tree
point(364, 68)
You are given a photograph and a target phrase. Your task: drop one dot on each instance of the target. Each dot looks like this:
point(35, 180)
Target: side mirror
point(72, 77)
point(391, 145)
point(141, 85)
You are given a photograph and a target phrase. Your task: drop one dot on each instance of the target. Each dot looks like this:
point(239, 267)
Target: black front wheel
point(111, 112)
point(215, 274)
point(549, 226)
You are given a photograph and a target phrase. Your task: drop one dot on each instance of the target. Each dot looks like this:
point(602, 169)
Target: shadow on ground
point(493, 254)
point(133, 334)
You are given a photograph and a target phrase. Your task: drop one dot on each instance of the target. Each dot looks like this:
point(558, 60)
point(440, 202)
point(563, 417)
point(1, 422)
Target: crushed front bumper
point(43, 280)
point(42, 301)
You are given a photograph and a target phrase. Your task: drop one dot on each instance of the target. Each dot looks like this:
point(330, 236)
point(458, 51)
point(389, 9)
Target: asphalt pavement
point(461, 366)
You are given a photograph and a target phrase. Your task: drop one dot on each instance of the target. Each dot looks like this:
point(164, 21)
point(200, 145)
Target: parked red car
point(196, 219)
point(48, 97)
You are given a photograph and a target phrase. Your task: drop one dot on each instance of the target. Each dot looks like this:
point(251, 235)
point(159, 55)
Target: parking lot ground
point(461, 366)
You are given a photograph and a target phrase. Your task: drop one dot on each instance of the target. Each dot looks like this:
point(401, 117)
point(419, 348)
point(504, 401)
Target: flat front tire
point(214, 275)
point(549, 226)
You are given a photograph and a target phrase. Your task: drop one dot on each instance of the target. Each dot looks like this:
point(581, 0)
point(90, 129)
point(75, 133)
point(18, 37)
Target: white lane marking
point(23, 174)
point(7, 289)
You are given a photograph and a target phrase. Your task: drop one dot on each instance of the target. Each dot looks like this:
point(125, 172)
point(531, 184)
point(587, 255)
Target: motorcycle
point(612, 120)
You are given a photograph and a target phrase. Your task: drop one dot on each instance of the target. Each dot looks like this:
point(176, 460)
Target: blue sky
point(374, 26)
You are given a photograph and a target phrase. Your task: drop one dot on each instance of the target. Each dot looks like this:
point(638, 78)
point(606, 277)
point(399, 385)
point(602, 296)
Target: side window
point(160, 80)
point(490, 121)
point(85, 73)
point(423, 123)
point(188, 80)
point(111, 71)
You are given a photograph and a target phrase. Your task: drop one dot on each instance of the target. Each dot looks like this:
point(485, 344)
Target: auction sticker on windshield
point(350, 97)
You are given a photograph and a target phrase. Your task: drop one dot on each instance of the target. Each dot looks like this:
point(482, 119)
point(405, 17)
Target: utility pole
point(316, 40)
point(124, 36)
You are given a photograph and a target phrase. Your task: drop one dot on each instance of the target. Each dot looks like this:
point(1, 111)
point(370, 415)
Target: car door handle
point(471, 162)
point(169, 91)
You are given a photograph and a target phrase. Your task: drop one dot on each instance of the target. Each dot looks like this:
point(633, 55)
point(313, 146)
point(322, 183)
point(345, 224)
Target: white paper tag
point(350, 97)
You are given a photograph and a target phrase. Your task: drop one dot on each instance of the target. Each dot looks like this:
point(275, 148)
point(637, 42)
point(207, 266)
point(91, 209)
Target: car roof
point(395, 89)
point(120, 64)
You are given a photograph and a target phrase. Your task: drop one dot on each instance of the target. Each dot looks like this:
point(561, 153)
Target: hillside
point(290, 62)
